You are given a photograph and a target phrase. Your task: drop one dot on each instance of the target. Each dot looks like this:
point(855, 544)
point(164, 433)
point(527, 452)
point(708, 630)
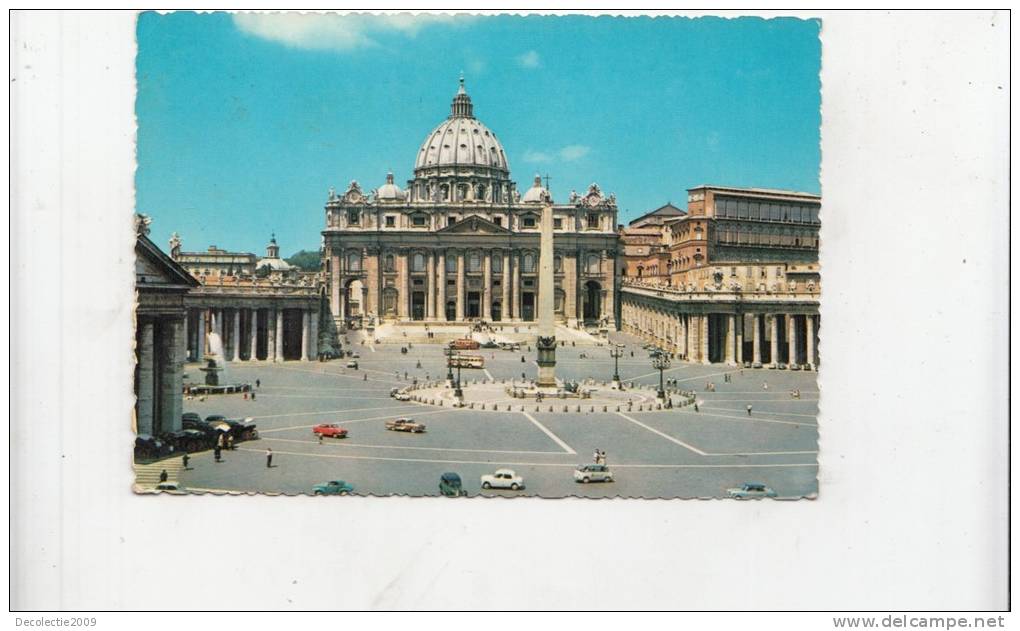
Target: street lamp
point(616, 354)
point(457, 392)
point(660, 362)
point(449, 364)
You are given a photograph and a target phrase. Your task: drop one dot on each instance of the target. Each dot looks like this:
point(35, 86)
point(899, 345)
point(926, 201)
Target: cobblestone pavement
point(668, 453)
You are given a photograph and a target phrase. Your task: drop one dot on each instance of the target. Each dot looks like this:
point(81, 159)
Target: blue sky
point(244, 122)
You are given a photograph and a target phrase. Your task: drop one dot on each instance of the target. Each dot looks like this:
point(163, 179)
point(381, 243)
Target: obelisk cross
point(546, 343)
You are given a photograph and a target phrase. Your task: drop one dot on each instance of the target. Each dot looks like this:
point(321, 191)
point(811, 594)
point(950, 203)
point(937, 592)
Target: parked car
point(243, 429)
point(352, 364)
point(503, 479)
point(510, 346)
point(355, 355)
point(186, 439)
point(333, 487)
point(402, 396)
point(490, 344)
point(329, 430)
point(593, 473)
point(404, 424)
point(450, 485)
point(191, 417)
point(750, 490)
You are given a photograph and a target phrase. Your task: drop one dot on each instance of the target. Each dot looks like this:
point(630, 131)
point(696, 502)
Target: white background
point(913, 500)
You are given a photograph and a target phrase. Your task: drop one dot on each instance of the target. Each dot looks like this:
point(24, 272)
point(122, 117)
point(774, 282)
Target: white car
point(593, 473)
point(402, 396)
point(502, 479)
point(750, 490)
point(174, 488)
point(352, 364)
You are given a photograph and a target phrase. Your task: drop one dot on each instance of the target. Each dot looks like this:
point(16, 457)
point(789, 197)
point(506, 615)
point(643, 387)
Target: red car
point(329, 430)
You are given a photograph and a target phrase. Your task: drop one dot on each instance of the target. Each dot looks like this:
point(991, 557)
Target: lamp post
point(660, 362)
point(616, 353)
point(457, 392)
point(449, 364)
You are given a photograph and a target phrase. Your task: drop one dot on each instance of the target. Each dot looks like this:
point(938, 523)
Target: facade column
point(270, 334)
point(279, 335)
point(756, 357)
point(171, 379)
point(336, 301)
point(460, 285)
point(731, 327)
point(200, 350)
point(441, 287)
point(235, 341)
point(516, 286)
point(305, 334)
point(705, 358)
point(791, 339)
point(504, 284)
point(187, 334)
point(219, 329)
point(811, 341)
point(487, 286)
point(254, 321)
point(685, 332)
point(403, 298)
point(313, 339)
point(774, 347)
point(430, 285)
point(739, 350)
point(145, 399)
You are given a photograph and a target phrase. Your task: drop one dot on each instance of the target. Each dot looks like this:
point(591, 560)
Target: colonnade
point(700, 333)
point(252, 333)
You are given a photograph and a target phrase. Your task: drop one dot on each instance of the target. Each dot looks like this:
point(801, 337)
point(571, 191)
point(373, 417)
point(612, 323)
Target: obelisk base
point(546, 347)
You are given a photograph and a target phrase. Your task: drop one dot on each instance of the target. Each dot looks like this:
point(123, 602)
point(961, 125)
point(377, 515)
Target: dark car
point(242, 429)
point(186, 439)
point(191, 416)
point(450, 485)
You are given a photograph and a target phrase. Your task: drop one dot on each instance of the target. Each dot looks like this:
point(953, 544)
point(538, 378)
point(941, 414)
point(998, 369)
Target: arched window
point(528, 263)
point(480, 192)
point(444, 192)
point(451, 263)
point(497, 263)
point(592, 265)
point(388, 263)
point(557, 264)
point(354, 261)
point(474, 262)
point(559, 300)
point(418, 262)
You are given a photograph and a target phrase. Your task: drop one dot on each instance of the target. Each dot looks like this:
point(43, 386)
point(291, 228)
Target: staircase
point(147, 475)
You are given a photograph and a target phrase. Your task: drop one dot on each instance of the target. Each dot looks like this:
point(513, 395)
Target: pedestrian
point(764, 385)
point(216, 452)
point(258, 383)
point(252, 396)
point(230, 442)
point(162, 475)
point(246, 396)
point(596, 456)
point(522, 359)
point(366, 377)
point(269, 458)
point(320, 439)
point(219, 440)
point(696, 407)
point(523, 376)
point(185, 460)
point(749, 409)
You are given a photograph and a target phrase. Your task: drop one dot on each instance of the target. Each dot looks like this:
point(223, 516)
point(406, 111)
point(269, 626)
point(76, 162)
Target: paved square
point(660, 453)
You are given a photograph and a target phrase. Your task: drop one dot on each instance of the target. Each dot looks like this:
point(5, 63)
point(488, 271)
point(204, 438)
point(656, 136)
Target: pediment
point(154, 268)
point(474, 224)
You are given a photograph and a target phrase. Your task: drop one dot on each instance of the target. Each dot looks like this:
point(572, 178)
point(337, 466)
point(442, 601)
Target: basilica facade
point(460, 243)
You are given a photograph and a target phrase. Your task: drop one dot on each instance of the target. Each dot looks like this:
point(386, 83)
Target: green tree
point(329, 339)
point(306, 260)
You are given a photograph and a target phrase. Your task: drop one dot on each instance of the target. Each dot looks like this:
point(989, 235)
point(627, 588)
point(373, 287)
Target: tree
point(306, 260)
point(329, 339)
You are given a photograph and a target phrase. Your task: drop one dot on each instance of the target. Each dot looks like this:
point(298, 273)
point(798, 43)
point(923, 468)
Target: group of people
point(223, 443)
point(600, 456)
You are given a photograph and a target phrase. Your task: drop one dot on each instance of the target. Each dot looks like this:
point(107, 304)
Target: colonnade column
point(791, 339)
point(756, 353)
point(187, 334)
point(441, 286)
point(430, 282)
point(404, 298)
point(313, 339)
point(336, 302)
point(235, 340)
point(487, 286)
point(145, 401)
point(685, 335)
point(731, 326)
point(254, 321)
point(279, 335)
point(504, 282)
point(200, 351)
point(811, 341)
point(739, 332)
point(704, 339)
point(271, 316)
point(305, 334)
point(172, 378)
point(774, 347)
point(460, 285)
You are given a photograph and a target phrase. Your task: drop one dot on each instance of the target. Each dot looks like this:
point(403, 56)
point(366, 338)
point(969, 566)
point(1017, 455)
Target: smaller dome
point(275, 264)
point(389, 191)
point(537, 193)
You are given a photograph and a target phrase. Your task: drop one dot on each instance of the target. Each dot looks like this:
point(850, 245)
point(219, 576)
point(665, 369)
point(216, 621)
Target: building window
point(558, 223)
point(451, 220)
point(418, 262)
point(593, 221)
point(451, 264)
point(557, 264)
point(391, 221)
point(528, 263)
point(354, 262)
point(353, 217)
point(497, 264)
point(388, 263)
point(418, 220)
point(474, 262)
point(528, 222)
point(593, 264)
point(498, 221)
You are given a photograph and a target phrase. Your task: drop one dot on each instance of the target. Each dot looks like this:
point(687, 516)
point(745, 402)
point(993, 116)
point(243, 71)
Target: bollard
point(536, 408)
point(593, 408)
point(578, 408)
point(440, 403)
point(472, 405)
point(617, 408)
point(640, 408)
point(550, 408)
point(565, 409)
point(658, 406)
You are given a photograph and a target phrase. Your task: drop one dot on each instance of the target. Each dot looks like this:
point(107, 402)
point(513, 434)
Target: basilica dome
point(536, 193)
point(462, 141)
point(389, 191)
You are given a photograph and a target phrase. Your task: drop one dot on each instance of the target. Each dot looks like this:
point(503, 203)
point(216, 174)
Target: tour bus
point(467, 361)
point(465, 344)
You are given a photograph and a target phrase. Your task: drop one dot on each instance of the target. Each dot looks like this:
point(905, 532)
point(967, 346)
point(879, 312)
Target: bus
point(467, 361)
point(465, 344)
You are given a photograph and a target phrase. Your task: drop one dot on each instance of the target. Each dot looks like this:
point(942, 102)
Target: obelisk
point(546, 343)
